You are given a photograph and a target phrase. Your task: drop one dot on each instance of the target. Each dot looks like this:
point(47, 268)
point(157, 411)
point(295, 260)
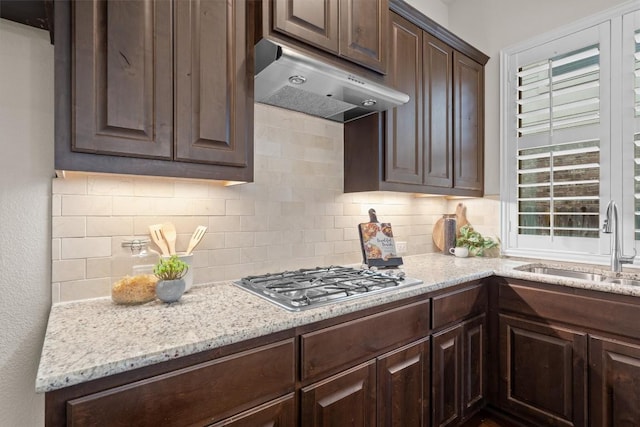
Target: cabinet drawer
point(604, 312)
point(276, 413)
point(328, 350)
point(459, 305)
point(196, 395)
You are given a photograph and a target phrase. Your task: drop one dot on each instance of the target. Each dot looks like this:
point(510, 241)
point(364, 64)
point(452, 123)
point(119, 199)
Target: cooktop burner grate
point(309, 288)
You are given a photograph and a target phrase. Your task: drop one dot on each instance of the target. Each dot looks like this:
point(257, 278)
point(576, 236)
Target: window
point(571, 138)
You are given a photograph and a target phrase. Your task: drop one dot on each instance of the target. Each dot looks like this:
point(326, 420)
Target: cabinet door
point(362, 34)
point(437, 62)
point(403, 387)
point(214, 106)
point(122, 78)
point(311, 21)
point(346, 399)
point(475, 364)
point(543, 372)
point(615, 383)
point(277, 413)
point(468, 121)
point(403, 148)
point(447, 376)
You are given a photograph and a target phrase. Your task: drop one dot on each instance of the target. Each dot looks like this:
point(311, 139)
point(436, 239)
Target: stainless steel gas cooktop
point(310, 288)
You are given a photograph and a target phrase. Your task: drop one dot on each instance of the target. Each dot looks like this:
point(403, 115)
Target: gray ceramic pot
point(170, 290)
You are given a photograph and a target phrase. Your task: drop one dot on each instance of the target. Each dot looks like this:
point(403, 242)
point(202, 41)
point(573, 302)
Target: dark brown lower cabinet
point(458, 371)
point(395, 386)
point(197, 395)
point(543, 372)
point(615, 383)
point(403, 386)
point(345, 399)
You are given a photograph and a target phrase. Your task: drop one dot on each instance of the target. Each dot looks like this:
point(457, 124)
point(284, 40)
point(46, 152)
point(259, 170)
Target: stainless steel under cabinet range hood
point(289, 79)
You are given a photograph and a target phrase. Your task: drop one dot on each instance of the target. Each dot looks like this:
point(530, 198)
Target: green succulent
point(170, 268)
point(472, 240)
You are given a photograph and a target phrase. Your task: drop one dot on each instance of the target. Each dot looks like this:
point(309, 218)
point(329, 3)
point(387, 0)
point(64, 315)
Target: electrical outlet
point(401, 247)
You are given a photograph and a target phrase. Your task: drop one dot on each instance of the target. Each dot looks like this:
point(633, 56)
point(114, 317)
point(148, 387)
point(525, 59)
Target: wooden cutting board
point(438, 228)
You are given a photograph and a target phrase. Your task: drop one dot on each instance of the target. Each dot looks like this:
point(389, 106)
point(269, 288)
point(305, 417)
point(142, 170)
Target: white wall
point(26, 166)
point(436, 10)
point(492, 25)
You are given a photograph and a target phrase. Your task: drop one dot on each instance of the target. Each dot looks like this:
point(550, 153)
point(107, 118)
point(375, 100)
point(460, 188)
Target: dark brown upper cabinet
point(434, 143)
point(351, 29)
point(468, 122)
point(403, 156)
point(155, 88)
point(437, 61)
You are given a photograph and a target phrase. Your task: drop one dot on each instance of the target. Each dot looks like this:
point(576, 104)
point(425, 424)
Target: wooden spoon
point(156, 234)
point(169, 233)
point(195, 238)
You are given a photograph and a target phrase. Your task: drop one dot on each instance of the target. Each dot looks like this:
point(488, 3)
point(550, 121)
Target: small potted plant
point(474, 241)
point(170, 273)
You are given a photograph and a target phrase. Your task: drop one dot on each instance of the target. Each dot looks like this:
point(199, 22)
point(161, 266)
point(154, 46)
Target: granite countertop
point(91, 339)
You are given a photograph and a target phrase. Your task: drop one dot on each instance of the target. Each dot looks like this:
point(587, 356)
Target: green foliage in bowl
point(472, 240)
point(170, 268)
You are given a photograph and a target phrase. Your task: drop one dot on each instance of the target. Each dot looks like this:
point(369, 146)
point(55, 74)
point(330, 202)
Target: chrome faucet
point(610, 226)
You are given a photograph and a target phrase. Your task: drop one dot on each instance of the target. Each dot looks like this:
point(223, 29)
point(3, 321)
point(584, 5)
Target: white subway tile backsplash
point(304, 250)
point(68, 226)
point(239, 207)
point(71, 184)
point(267, 238)
point(225, 256)
point(56, 205)
point(98, 267)
point(88, 247)
point(55, 293)
point(212, 240)
point(191, 189)
point(55, 249)
point(65, 270)
point(110, 185)
point(253, 223)
point(224, 223)
point(78, 204)
point(313, 236)
point(254, 254)
point(281, 252)
point(324, 248)
point(153, 187)
point(109, 226)
point(83, 289)
point(239, 239)
point(132, 206)
point(334, 234)
point(294, 215)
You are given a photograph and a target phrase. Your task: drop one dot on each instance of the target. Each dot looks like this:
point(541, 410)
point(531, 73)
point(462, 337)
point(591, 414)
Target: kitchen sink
point(622, 281)
point(553, 271)
point(592, 276)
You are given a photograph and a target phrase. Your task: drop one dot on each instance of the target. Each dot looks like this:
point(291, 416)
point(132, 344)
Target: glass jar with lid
point(132, 273)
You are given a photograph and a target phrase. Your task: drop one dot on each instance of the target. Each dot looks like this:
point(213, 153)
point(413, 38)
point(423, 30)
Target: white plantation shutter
point(558, 190)
point(636, 136)
point(631, 128)
point(560, 92)
point(557, 138)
